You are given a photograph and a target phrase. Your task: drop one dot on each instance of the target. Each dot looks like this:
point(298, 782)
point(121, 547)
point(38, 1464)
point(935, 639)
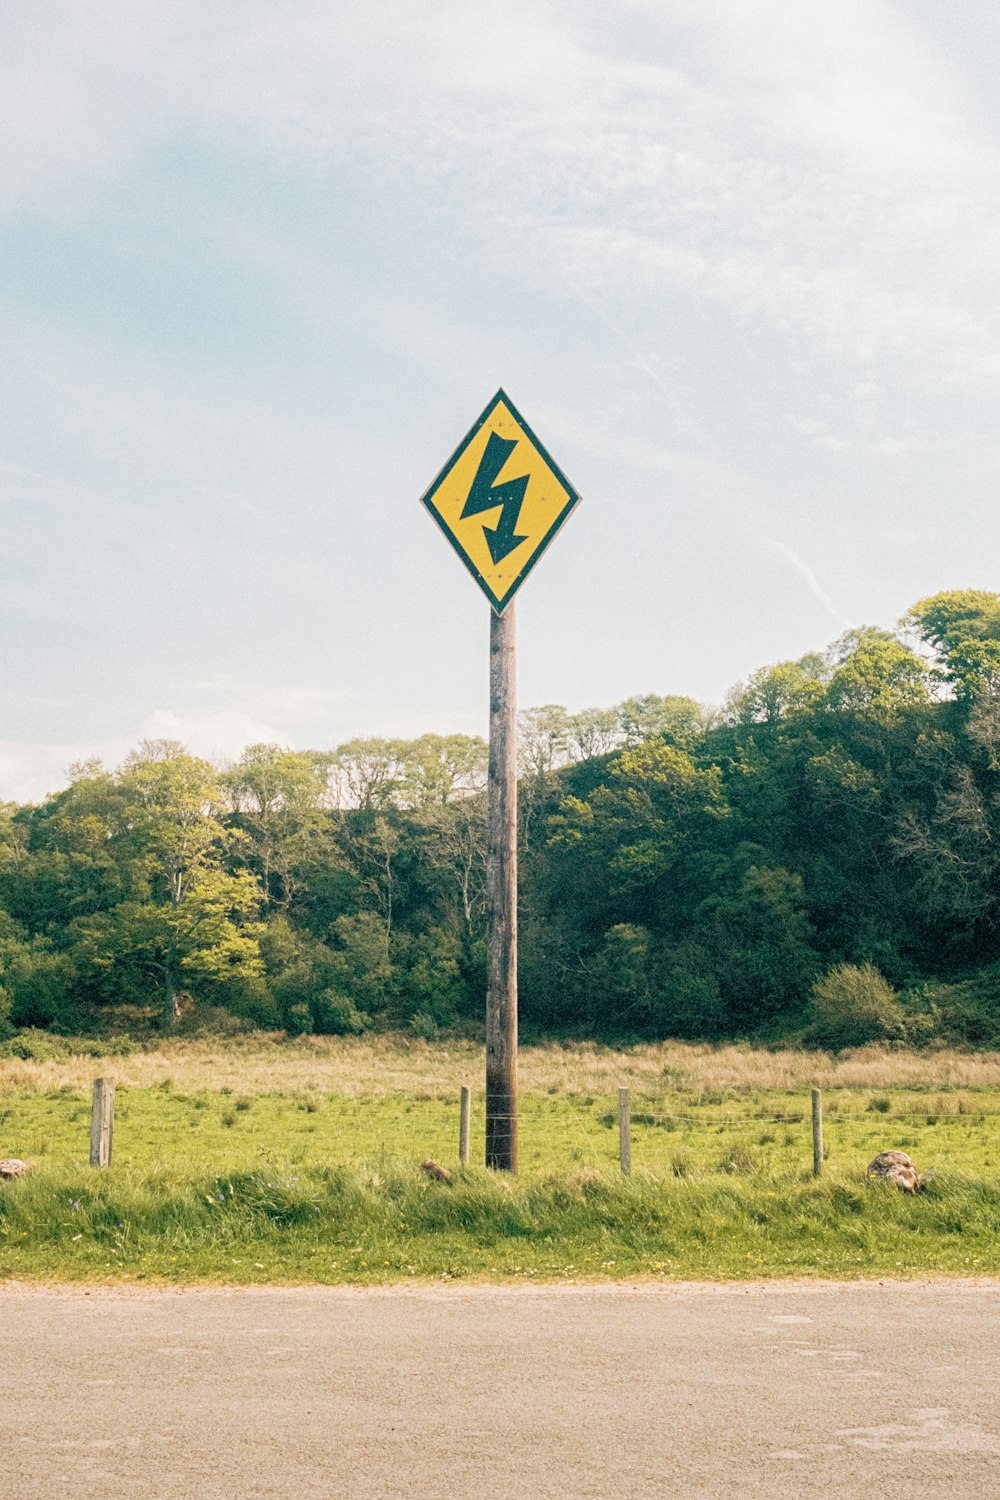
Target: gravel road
point(888, 1390)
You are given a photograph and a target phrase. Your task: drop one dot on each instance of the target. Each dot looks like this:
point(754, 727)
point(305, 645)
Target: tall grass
point(385, 1065)
point(373, 1225)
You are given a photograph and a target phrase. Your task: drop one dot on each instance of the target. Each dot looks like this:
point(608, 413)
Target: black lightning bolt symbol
point(486, 494)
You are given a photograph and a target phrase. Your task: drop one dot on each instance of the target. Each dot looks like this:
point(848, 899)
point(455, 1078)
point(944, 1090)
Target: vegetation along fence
point(787, 1134)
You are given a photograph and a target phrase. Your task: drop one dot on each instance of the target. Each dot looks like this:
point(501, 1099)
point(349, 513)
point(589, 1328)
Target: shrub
point(298, 1019)
point(962, 1014)
point(202, 1020)
point(424, 1026)
point(853, 1004)
point(252, 1001)
point(433, 984)
point(33, 1045)
point(337, 1015)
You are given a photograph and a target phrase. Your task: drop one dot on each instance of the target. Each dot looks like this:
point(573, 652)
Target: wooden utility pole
point(500, 499)
point(501, 895)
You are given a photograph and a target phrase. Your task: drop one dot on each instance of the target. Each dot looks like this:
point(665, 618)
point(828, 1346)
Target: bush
point(424, 1026)
point(203, 1020)
point(337, 1015)
point(298, 1020)
point(965, 1014)
point(853, 1004)
point(252, 1001)
point(39, 984)
point(32, 1045)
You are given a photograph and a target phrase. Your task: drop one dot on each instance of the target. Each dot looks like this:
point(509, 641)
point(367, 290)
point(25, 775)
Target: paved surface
point(788, 1390)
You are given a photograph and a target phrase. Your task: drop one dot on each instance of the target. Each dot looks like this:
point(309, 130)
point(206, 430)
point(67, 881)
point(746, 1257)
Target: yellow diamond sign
point(500, 500)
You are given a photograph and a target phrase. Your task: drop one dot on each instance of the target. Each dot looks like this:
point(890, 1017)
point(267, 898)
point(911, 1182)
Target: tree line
point(816, 860)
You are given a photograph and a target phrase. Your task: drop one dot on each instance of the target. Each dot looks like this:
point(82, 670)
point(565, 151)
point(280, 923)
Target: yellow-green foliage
point(854, 1004)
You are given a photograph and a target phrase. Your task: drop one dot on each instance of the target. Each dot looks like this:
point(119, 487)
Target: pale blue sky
point(735, 261)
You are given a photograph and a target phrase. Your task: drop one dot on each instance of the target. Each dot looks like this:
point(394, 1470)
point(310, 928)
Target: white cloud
point(83, 94)
point(804, 166)
point(216, 736)
point(29, 772)
point(900, 444)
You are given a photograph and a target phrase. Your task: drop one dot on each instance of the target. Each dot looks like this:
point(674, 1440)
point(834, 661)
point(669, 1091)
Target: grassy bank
point(368, 1226)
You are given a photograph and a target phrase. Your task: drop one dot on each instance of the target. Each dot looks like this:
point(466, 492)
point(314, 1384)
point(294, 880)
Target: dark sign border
point(499, 605)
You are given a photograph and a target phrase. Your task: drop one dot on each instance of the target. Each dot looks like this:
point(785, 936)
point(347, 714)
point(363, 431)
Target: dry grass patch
point(374, 1066)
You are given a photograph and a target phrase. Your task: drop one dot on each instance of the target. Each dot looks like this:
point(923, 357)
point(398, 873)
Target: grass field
point(268, 1161)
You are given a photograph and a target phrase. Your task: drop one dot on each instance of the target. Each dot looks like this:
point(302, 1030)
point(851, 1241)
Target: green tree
point(438, 768)
point(304, 977)
point(451, 839)
point(662, 803)
point(543, 736)
point(951, 852)
point(369, 773)
point(36, 982)
point(649, 715)
point(361, 972)
point(204, 941)
point(876, 677)
point(372, 843)
point(631, 852)
point(758, 933)
point(962, 628)
point(622, 971)
point(279, 798)
point(186, 917)
point(65, 858)
point(594, 731)
point(433, 982)
point(774, 694)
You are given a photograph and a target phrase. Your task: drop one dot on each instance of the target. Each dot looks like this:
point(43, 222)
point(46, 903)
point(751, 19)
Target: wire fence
point(845, 1129)
point(557, 1132)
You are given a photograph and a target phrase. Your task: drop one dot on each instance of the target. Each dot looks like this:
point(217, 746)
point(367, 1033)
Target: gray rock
point(11, 1166)
point(438, 1173)
point(896, 1166)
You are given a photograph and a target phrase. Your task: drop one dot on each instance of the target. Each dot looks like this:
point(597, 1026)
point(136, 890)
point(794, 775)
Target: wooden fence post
point(464, 1121)
point(102, 1122)
point(817, 1132)
point(624, 1132)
